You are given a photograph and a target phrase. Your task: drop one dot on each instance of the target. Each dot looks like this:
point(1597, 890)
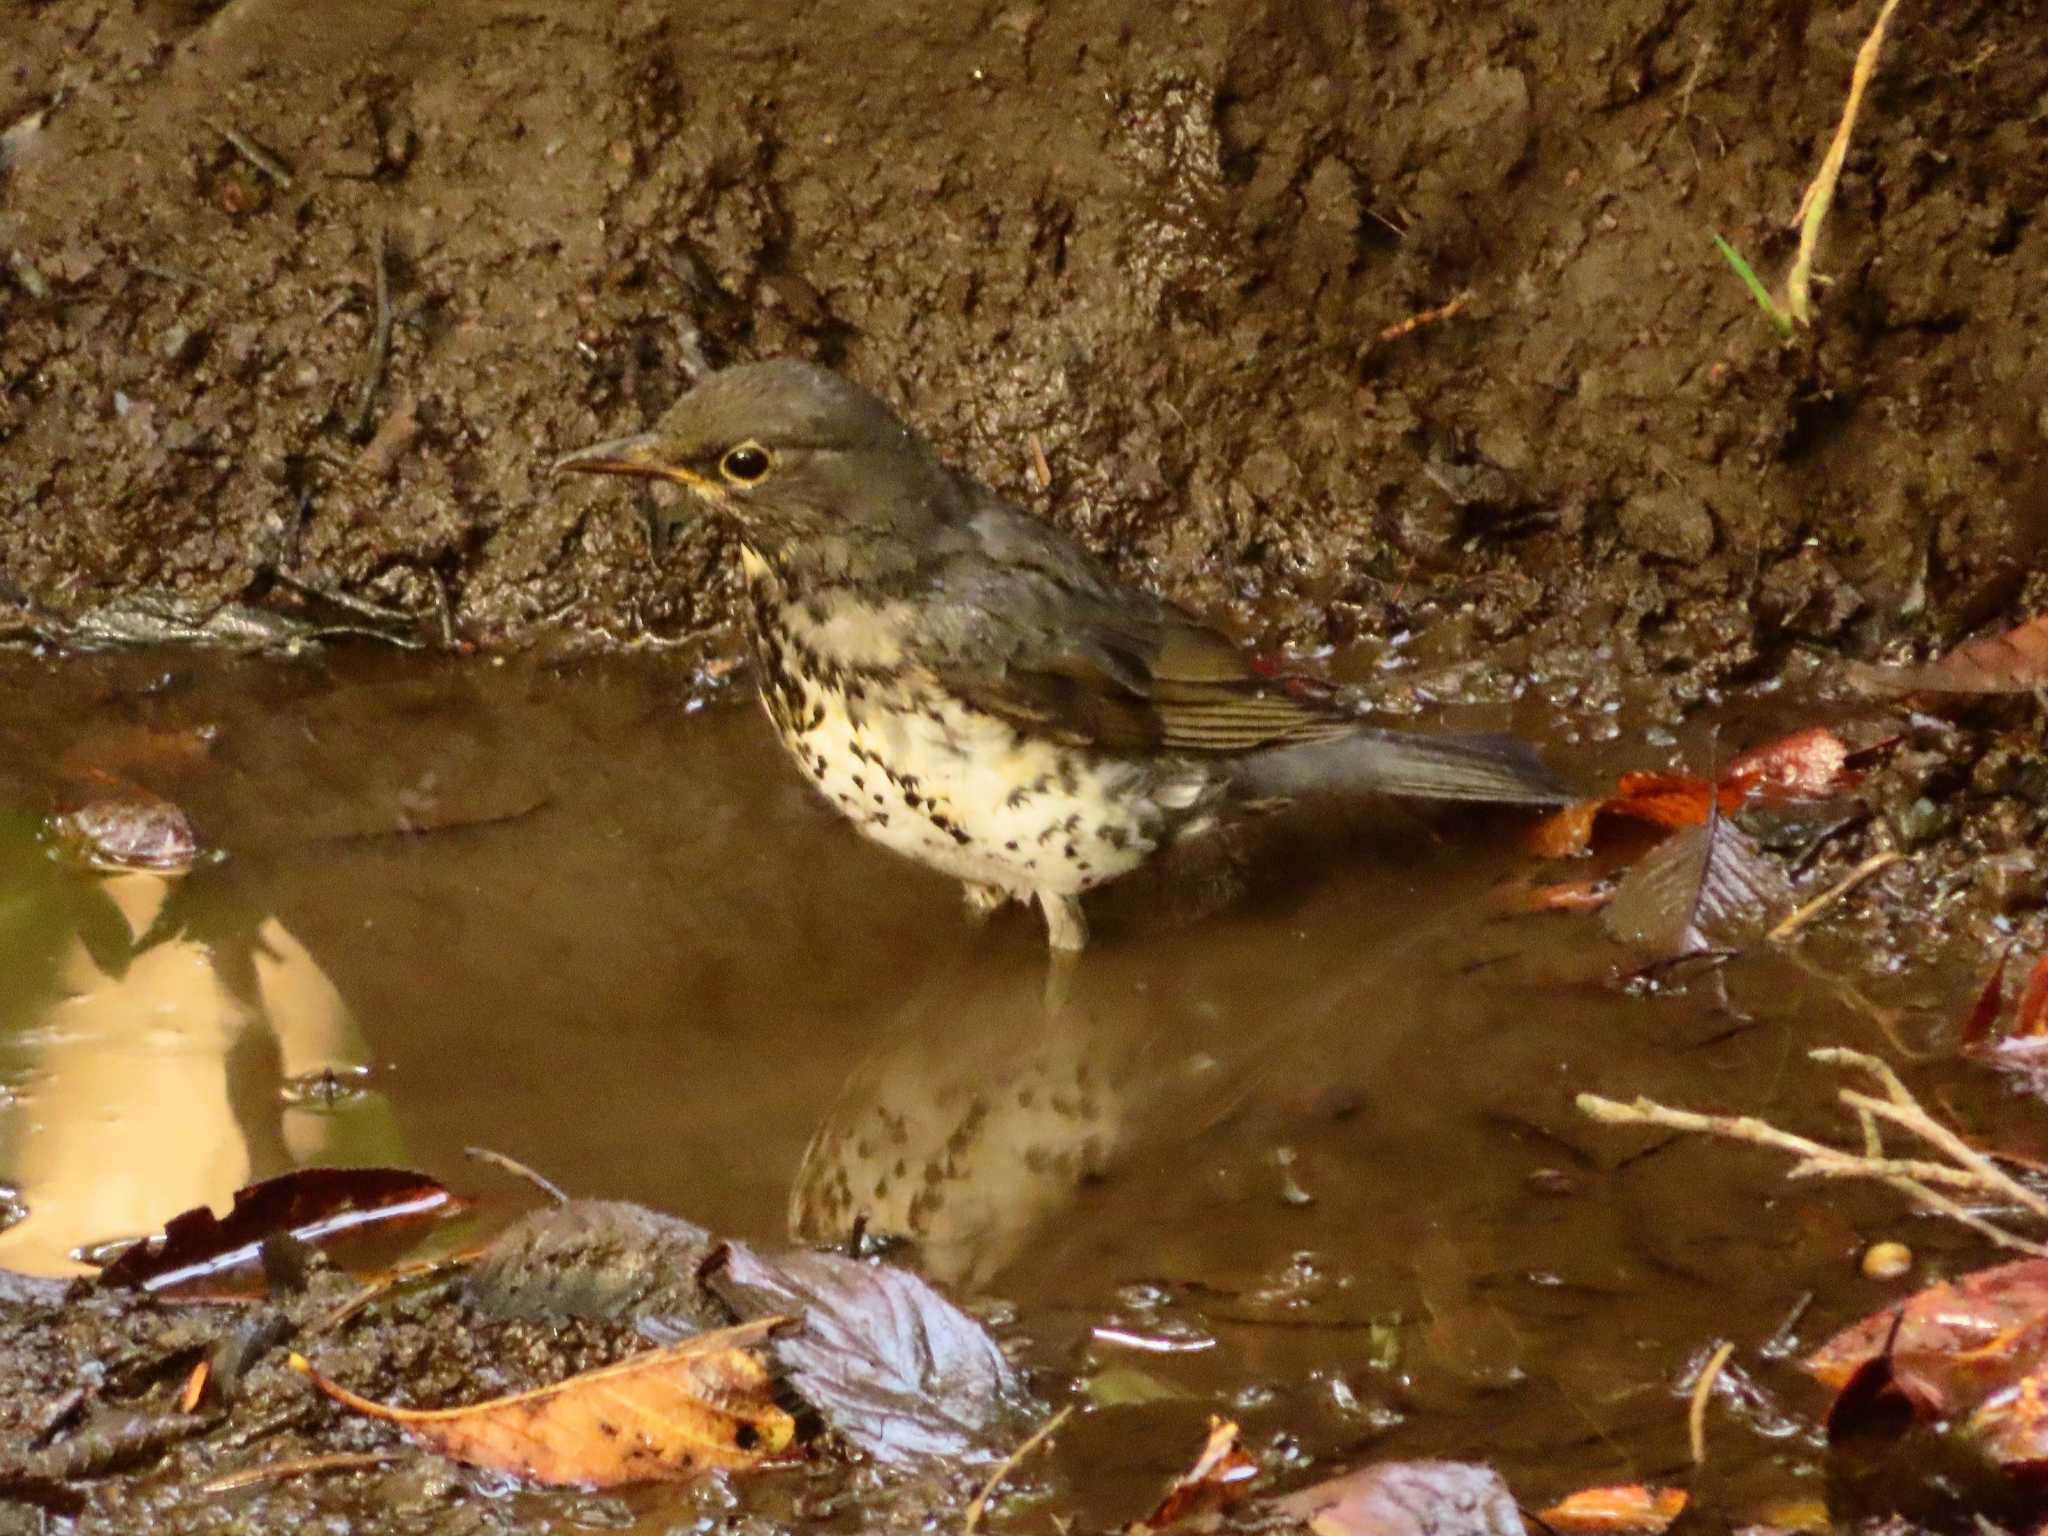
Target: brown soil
point(1164, 244)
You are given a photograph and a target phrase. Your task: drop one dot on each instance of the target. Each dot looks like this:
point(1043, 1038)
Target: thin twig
point(1009, 1465)
point(257, 155)
point(380, 337)
point(1875, 864)
point(1413, 323)
point(1040, 468)
point(1702, 1389)
point(297, 1466)
point(1820, 194)
point(518, 1170)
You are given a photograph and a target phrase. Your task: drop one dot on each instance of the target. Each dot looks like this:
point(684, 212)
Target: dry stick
point(1010, 1465)
point(1039, 466)
point(1702, 1389)
point(1971, 1171)
point(380, 338)
point(1820, 195)
point(1797, 920)
point(518, 1170)
point(1402, 328)
point(256, 155)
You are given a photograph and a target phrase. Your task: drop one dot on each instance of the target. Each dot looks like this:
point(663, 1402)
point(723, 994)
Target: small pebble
point(1886, 1261)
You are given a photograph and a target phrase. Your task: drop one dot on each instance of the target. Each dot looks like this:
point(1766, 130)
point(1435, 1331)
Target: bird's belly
point(968, 794)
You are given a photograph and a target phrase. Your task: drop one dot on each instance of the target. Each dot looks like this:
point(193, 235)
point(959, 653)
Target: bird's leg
point(983, 900)
point(1066, 926)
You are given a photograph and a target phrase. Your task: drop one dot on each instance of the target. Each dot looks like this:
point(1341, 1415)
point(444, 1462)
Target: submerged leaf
point(2015, 661)
point(891, 1366)
point(1710, 887)
point(1803, 765)
point(1408, 1498)
point(661, 1415)
point(201, 1254)
point(1629, 1510)
point(1974, 1349)
point(1216, 1479)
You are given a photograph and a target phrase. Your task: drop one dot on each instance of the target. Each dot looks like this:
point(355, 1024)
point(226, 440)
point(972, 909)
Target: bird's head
point(792, 453)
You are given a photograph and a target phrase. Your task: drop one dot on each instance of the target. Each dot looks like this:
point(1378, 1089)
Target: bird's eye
point(745, 464)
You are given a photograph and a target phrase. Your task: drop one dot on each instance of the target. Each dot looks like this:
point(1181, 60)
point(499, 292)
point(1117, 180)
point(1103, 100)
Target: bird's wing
point(1034, 629)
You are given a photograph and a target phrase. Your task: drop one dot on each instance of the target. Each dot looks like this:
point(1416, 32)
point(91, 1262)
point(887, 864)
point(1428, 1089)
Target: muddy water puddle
point(1309, 1161)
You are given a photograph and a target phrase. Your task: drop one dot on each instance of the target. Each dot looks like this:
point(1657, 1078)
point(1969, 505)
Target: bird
point(974, 688)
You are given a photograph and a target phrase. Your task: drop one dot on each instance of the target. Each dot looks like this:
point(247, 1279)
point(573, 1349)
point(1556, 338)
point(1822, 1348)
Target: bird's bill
point(635, 455)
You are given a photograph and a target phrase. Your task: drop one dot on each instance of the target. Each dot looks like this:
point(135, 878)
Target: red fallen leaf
point(201, 1255)
point(1630, 1510)
point(1977, 1027)
point(1216, 1478)
point(660, 1415)
point(1669, 800)
point(1408, 1498)
point(1802, 765)
point(2031, 1022)
point(1974, 1346)
point(2013, 662)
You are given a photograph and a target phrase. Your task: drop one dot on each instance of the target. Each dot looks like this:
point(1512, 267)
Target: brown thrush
point(973, 688)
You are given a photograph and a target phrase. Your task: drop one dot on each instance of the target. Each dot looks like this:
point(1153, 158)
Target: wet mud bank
point(1392, 336)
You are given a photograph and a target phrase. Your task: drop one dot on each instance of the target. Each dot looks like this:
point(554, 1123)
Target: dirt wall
point(1163, 241)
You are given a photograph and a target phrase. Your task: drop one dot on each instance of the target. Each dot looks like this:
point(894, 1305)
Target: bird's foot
point(983, 900)
point(1066, 926)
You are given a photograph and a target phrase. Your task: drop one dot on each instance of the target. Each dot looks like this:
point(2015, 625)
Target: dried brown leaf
point(662, 1415)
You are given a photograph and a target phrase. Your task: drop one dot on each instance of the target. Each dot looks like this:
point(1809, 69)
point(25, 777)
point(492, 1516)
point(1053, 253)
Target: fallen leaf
point(1973, 1346)
point(1803, 765)
point(1565, 833)
point(1215, 1480)
point(1708, 888)
point(2013, 662)
point(1631, 1510)
point(123, 826)
point(2031, 1021)
point(1976, 1031)
point(200, 1254)
point(891, 1366)
point(1670, 800)
point(2022, 1050)
point(1408, 1498)
point(661, 1415)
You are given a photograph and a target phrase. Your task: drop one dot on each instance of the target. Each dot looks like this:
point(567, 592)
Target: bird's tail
point(1499, 768)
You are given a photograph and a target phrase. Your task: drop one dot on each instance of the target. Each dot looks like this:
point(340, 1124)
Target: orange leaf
point(1564, 833)
point(1631, 1509)
point(1803, 765)
point(1668, 799)
point(663, 1414)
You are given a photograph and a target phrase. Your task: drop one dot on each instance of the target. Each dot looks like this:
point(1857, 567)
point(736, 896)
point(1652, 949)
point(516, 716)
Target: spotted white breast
point(922, 772)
